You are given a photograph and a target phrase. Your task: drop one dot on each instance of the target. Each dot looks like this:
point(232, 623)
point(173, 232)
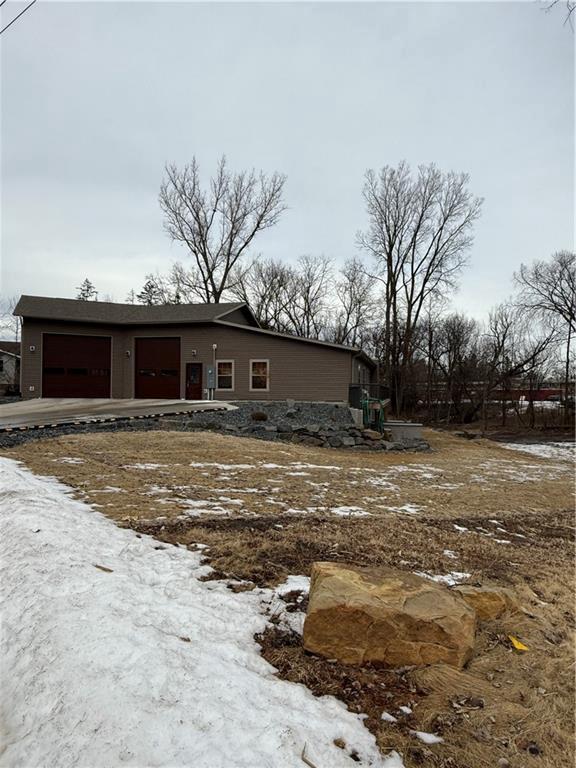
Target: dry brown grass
point(528, 699)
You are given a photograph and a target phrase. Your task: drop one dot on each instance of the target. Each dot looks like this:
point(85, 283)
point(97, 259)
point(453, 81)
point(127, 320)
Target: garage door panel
point(75, 365)
point(157, 371)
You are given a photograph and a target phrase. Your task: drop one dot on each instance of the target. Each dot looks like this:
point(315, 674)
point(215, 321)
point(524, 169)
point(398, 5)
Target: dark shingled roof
point(73, 310)
point(44, 308)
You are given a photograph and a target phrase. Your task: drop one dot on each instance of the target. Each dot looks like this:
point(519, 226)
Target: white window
point(225, 374)
point(259, 375)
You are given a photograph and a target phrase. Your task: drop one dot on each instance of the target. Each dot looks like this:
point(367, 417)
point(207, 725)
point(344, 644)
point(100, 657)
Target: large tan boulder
point(489, 602)
point(359, 615)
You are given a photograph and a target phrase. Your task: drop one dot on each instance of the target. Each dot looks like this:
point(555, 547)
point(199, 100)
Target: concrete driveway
point(51, 411)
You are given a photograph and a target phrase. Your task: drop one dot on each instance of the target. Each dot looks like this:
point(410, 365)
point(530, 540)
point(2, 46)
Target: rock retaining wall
point(327, 425)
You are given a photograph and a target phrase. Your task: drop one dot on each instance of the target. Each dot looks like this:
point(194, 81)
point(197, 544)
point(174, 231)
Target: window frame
point(250, 374)
point(226, 389)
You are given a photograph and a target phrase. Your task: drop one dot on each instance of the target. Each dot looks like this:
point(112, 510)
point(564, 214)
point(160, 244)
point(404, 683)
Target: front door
point(193, 381)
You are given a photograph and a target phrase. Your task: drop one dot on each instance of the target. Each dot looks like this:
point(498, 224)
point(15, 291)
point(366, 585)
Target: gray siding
point(298, 369)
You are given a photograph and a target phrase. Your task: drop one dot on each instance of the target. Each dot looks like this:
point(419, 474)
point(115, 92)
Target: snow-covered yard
point(114, 653)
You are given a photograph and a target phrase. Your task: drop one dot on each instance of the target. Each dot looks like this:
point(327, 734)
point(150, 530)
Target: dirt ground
point(471, 509)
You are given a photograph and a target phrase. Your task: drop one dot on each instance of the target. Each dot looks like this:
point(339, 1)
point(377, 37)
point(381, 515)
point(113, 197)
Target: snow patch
point(381, 482)
point(225, 467)
point(406, 509)
point(116, 653)
point(427, 738)
point(564, 451)
point(293, 584)
point(147, 466)
point(198, 507)
point(450, 579)
point(349, 512)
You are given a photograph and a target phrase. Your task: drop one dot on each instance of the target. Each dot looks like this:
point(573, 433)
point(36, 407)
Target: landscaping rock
point(489, 602)
point(310, 440)
point(371, 434)
point(348, 441)
point(359, 615)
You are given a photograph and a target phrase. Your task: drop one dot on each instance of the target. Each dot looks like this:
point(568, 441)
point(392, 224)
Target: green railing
point(374, 413)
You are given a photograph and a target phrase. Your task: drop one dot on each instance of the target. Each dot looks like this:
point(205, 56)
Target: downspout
point(22, 356)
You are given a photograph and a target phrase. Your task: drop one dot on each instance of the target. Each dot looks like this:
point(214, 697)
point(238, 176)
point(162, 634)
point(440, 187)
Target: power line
point(16, 17)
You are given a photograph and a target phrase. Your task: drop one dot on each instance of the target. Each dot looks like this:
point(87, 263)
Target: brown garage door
point(75, 366)
point(157, 372)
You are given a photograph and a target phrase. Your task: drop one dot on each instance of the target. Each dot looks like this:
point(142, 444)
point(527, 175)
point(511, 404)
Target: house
point(9, 367)
point(76, 348)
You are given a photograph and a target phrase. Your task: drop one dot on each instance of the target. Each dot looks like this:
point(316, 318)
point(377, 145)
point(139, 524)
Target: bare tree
point(307, 303)
point(268, 286)
point(15, 18)
point(355, 305)
point(510, 349)
point(419, 233)
point(295, 299)
point(569, 5)
point(10, 324)
point(548, 290)
point(218, 225)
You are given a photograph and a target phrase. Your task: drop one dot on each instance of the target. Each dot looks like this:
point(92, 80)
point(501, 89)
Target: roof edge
point(242, 305)
point(356, 351)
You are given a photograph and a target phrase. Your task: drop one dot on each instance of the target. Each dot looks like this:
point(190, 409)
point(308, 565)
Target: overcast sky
point(97, 97)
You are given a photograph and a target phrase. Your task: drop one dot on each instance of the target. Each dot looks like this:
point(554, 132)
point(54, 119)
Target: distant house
point(98, 349)
point(9, 367)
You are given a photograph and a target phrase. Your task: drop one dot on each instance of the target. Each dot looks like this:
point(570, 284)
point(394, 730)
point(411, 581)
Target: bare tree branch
point(218, 226)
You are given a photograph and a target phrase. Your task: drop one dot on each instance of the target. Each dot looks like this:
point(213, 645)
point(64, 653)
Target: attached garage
point(75, 365)
point(73, 348)
point(157, 371)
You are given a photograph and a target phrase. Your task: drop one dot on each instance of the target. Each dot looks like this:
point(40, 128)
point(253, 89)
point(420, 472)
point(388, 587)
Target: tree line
point(391, 298)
